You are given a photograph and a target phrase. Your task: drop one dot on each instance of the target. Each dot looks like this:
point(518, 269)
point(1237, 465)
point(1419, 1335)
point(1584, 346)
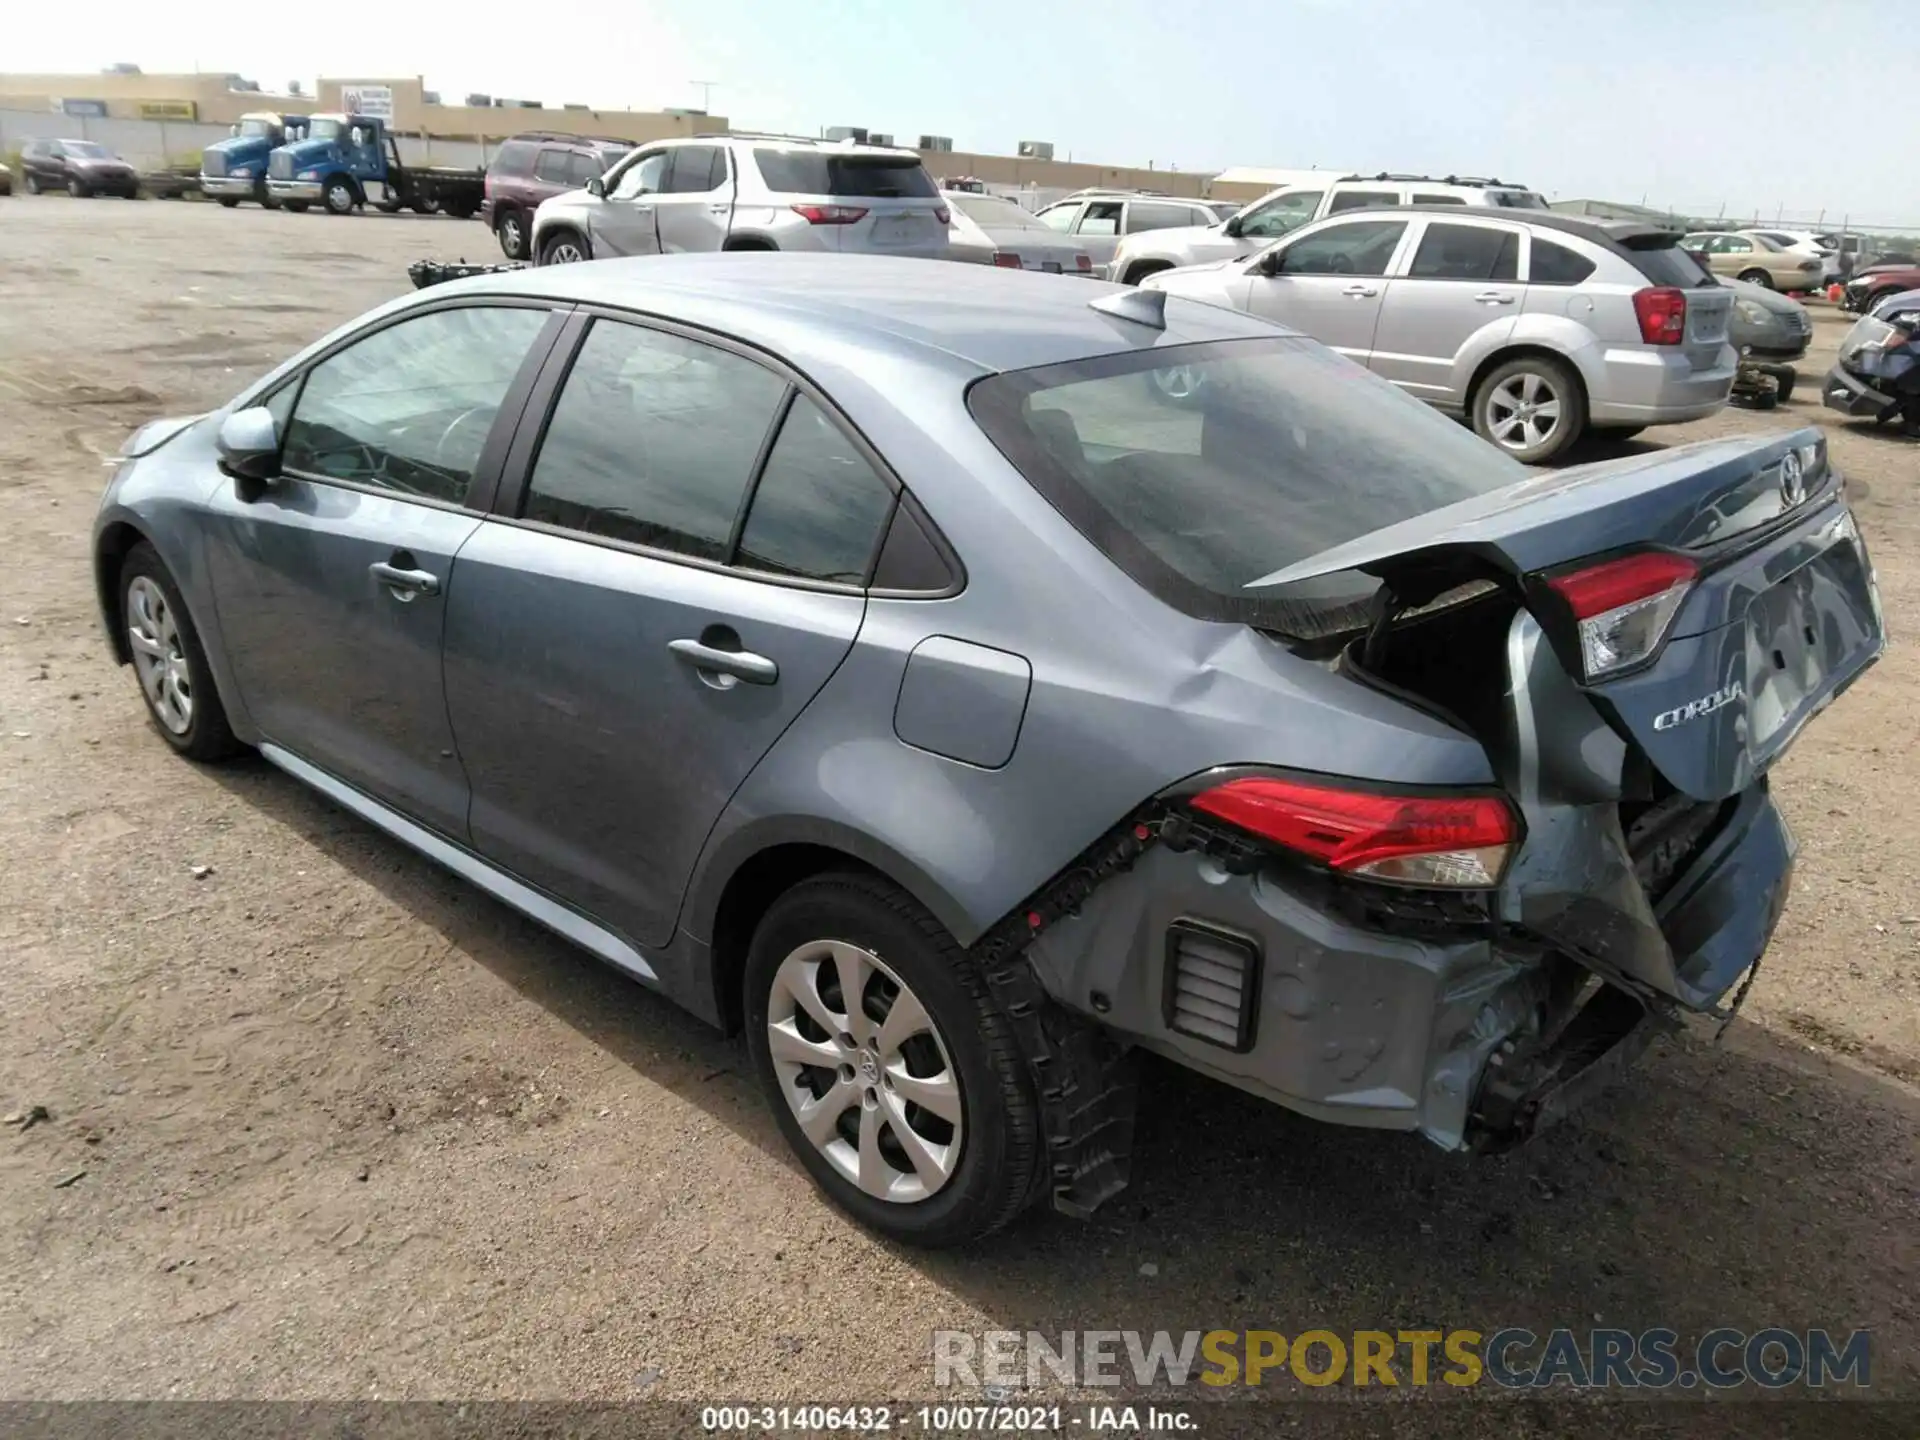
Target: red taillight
point(1006, 259)
point(1624, 607)
point(1614, 583)
point(1451, 840)
point(942, 214)
point(830, 214)
point(1662, 311)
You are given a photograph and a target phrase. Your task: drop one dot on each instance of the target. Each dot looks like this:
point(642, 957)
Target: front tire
point(175, 680)
point(565, 248)
point(1532, 407)
point(339, 196)
point(512, 235)
point(296, 207)
point(77, 190)
point(890, 1070)
point(229, 202)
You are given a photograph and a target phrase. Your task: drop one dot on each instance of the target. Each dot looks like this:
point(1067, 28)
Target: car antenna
point(1143, 307)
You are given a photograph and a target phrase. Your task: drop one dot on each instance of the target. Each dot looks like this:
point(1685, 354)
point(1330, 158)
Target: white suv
point(748, 192)
point(1284, 210)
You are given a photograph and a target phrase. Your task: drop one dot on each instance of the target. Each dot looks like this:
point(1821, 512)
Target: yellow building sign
point(169, 110)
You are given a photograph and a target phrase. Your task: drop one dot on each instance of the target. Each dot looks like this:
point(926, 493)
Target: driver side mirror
point(597, 188)
point(1269, 263)
point(249, 444)
point(1233, 227)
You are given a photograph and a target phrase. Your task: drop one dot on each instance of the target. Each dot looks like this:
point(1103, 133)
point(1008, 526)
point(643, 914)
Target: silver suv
point(1282, 211)
point(1099, 220)
point(748, 192)
point(1537, 327)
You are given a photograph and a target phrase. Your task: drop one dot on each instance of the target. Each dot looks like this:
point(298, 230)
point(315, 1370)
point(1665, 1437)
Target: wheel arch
point(111, 546)
point(748, 241)
point(1138, 270)
point(1523, 350)
point(752, 868)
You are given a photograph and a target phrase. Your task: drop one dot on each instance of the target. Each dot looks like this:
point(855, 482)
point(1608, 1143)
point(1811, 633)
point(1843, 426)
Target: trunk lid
point(1782, 616)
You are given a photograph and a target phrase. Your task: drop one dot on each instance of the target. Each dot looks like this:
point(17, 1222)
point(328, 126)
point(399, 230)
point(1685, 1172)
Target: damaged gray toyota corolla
point(963, 680)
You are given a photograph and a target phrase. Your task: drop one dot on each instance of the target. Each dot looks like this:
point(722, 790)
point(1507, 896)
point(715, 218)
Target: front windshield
point(87, 150)
point(991, 210)
point(328, 130)
point(259, 129)
point(1201, 468)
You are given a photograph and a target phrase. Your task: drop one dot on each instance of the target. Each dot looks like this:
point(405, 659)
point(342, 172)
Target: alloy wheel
point(1523, 411)
point(865, 1070)
point(564, 252)
point(158, 655)
point(510, 236)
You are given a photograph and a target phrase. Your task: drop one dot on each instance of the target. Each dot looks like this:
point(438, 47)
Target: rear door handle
point(403, 581)
point(1494, 297)
point(725, 666)
point(1360, 292)
point(719, 209)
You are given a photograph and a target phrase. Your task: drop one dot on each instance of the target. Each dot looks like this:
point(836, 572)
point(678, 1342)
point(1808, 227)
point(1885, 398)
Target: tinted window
point(1362, 248)
point(1281, 214)
point(1059, 217)
point(691, 170)
point(877, 177)
point(408, 408)
point(1276, 451)
point(1467, 252)
point(1143, 215)
point(1665, 264)
point(818, 508)
point(653, 441)
point(552, 167)
point(1517, 199)
point(1102, 218)
point(514, 158)
point(582, 167)
point(1553, 264)
point(1361, 200)
point(1438, 200)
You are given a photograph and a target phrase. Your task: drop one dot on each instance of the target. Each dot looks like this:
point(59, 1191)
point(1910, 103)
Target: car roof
point(1619, 234)
point(975, 319)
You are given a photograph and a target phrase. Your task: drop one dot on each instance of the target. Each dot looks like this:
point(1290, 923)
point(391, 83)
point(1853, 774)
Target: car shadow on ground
point(1747, 1184)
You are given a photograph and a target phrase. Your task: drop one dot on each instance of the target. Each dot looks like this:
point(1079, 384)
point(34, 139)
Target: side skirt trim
point(568, 923)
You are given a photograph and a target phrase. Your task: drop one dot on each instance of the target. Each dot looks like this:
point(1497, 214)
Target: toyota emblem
point(1793, 479)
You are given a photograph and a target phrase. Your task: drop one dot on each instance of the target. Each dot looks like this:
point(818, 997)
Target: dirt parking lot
point(323, 1122)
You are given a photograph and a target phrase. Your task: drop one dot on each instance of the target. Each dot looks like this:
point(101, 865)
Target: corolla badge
point(1694, 709)
point(1793, 479)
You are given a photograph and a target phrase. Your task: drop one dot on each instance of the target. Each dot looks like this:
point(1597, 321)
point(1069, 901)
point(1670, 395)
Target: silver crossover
point(881, 658)
point(1536, 327)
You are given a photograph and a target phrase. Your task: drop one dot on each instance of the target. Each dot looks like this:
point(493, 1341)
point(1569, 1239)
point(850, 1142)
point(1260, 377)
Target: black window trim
point(484, 486)
point(542, 400)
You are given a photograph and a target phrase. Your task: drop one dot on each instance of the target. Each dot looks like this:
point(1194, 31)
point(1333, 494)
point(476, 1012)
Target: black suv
point(532, 167)
point(80, 167)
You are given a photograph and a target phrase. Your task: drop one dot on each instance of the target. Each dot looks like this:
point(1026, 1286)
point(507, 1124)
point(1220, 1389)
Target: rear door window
point(1438, 200)
point(819, 507)
point(1361, 200)
point(859, 177)
point(1147, 215)
point(1466, 252)
point(653, 441)
point(552, 166)
point(1552, 264)
point(1273, 451)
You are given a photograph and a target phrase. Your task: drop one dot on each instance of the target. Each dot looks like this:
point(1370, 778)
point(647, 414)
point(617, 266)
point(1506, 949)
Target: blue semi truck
point(346, 161)
point(235, 169)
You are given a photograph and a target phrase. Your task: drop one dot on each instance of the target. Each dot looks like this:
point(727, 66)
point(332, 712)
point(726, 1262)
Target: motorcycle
point(1878, 374)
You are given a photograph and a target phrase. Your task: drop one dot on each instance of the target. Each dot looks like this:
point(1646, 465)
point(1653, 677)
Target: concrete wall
point(145, 142)
point(1060, 175)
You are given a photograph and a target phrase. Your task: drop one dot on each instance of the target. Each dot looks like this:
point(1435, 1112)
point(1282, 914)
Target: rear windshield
point(992, 210)
point(1663, 262)
point(805, 172)
point(1200, 468)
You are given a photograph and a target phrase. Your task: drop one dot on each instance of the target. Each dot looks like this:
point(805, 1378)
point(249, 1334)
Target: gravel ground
point(326, 1123)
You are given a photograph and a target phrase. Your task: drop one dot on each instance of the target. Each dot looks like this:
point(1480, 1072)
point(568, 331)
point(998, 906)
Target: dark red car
point(1870, 286)
point(532, 167)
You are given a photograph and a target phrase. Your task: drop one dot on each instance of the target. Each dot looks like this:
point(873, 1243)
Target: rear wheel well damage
point(110, 551)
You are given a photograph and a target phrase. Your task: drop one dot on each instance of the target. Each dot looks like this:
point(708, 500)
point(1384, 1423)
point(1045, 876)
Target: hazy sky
point(1688, 105)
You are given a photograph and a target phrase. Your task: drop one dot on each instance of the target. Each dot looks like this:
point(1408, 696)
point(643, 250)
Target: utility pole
point(706, 93)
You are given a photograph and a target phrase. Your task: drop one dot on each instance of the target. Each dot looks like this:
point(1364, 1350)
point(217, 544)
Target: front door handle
point(721, 668)
point(404, 582)
point(1495, 297)
point(1360, 292)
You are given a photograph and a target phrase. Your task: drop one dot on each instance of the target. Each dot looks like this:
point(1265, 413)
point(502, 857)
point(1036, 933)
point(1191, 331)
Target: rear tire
point(31, 183)
point(1757, 276)
point(175, 680)
point(295, 207)
point(1532, 407)
point(957, 1054)
point(229, 202)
